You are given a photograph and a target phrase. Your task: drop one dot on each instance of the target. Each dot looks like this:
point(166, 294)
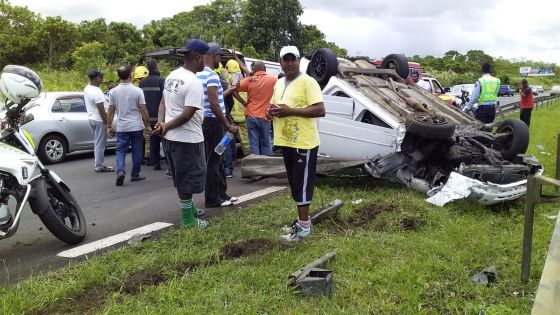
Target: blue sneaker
point(297, 233)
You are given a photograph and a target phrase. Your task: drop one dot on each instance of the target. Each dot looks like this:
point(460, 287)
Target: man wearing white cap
point(296, 102)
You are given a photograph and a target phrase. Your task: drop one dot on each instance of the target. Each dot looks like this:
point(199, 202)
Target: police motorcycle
point(23, 178)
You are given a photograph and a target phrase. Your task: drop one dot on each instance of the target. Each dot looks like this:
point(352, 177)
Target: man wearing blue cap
point(214, 126)
point(180, 123)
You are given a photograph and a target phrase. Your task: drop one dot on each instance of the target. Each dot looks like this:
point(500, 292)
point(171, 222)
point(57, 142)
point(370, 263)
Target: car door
point(71, 114)
point(350, 131)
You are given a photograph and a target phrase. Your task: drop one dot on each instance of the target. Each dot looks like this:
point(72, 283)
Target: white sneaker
point(233, 199)
point(226, 203)
point(297, 233)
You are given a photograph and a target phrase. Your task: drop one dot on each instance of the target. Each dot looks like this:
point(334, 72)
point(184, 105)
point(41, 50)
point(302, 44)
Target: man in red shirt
point(259, 88)
point(527, 102)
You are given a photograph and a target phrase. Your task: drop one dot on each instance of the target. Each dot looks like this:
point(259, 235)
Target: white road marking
point(258, 193)
point(112, 240)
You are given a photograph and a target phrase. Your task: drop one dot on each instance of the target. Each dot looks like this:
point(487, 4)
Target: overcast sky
point(375, 28)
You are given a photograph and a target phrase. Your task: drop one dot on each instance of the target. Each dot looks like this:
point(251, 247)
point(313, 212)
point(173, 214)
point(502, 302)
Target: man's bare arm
point(102, 113)
point(313, 111)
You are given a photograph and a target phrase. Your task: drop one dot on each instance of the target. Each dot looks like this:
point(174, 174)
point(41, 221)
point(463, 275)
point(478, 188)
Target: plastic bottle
point(226, 140)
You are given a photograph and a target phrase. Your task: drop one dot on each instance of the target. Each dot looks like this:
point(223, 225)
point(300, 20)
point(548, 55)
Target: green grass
point(381, 267)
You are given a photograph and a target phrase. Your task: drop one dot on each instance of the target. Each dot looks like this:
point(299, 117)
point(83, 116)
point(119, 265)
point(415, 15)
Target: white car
point(555, 90)
point(60, 126)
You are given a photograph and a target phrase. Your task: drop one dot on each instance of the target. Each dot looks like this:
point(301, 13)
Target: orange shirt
point(259, 88)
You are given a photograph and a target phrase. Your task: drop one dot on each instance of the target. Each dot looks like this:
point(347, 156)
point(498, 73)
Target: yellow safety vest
point(488, 89)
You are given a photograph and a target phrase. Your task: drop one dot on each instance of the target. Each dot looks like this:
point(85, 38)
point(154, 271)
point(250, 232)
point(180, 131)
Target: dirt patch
point(249, 247)
point(409, 223)
point(362, 217)
point(87, 302)
point(142, 279)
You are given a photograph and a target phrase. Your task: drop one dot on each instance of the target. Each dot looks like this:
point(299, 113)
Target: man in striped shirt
point(213, 127)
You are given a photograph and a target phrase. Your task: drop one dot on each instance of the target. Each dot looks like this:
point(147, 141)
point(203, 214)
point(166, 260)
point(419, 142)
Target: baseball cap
point(95, 73)
point(289, 50)
point(196, 45)
point(214, 48)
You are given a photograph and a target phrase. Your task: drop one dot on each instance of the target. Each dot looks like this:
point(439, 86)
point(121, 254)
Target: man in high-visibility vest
point(485, 93)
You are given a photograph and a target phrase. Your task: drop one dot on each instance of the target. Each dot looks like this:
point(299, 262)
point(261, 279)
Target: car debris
point(313, 280)
point(357, 201)
point(138, 238)
point(486, 276)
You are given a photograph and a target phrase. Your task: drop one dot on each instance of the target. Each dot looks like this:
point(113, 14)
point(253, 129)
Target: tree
point(56, 37)
point(124, 43)
point(90, 31)
point(269, 25)
point(88, 56)
point(18, 38)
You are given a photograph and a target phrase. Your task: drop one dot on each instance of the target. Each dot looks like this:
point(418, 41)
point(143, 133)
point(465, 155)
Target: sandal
point(105, 169)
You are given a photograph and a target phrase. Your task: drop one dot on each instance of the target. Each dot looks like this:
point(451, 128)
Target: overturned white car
point(407, 135)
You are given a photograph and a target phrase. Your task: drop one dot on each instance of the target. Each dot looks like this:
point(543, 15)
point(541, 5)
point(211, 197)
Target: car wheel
point(52, 149)
point(515, 139)
point(396, 62)
point(323, 65)
point(429, 126)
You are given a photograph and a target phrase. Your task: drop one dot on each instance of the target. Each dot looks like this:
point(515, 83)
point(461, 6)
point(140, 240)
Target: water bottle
point(226, 140)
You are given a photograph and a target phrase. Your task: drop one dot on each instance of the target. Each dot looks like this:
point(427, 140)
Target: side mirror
point(447, 90)
point(25, 119)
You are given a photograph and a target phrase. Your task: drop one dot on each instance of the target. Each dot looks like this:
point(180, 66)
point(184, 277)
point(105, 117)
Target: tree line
point(257, 28)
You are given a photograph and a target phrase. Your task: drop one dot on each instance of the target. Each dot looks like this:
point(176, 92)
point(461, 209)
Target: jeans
point(229, 157)
point(99, 130)
point(155, 142)
point(216, 185)
point(135, 140)
point(259, 135)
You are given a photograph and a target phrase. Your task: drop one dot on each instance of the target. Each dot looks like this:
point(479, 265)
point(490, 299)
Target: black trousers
point(525, 115)
point(300, 168)
point(485, 113)
point(216, 185)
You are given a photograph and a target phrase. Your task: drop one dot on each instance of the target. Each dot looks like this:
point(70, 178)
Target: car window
point(69, 105)
point(438, 89)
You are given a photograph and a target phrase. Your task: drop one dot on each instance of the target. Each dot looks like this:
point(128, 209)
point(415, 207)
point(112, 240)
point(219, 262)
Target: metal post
point(557, 158)
point(528, 228)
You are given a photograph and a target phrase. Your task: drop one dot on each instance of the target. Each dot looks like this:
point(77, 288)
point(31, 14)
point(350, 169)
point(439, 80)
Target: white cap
point(289, 50)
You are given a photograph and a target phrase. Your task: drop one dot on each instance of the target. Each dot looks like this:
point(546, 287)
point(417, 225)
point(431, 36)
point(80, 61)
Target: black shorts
point(300, 167)
point(187, 164)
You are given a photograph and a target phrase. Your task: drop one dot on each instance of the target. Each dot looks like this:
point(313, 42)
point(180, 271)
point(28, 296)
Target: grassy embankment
point(396, 254)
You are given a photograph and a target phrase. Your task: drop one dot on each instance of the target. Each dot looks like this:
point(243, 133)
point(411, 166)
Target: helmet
point(232, 66)
point(140, 72)
point(18, 83)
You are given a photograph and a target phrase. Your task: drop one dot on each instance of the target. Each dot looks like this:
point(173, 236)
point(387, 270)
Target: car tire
point(429, 126)
point(396, 62)
point(323, 65)
point(52, 149)
point(516, 143)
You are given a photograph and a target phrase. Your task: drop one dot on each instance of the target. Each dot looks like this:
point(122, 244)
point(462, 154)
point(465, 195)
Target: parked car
point(505, 90)
point(61, 126)
point(540, 88)
point(535, 89)
point(555, 90)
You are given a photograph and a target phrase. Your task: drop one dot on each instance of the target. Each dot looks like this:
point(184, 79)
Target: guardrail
point(542, 100)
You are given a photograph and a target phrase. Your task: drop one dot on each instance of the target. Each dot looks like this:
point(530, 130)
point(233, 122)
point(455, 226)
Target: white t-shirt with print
point(182, 89)
point(93, 96)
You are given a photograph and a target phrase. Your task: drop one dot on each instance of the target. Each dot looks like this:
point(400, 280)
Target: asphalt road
point(504, 100)
point(109, 210)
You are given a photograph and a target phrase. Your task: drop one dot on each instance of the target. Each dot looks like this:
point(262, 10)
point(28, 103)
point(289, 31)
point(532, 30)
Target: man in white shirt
point(95, 106)
point(180, 123)
point(421, 83)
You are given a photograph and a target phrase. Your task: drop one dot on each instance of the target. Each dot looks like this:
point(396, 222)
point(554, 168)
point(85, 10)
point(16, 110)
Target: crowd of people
point(194, 108)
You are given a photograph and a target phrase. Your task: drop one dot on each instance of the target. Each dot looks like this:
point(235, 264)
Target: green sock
point(187, 214)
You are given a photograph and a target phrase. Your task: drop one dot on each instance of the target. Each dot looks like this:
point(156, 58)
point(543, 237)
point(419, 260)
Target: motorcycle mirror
point(27, 118)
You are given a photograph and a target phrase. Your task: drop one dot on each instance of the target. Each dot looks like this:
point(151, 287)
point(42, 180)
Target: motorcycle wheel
point(64, 217)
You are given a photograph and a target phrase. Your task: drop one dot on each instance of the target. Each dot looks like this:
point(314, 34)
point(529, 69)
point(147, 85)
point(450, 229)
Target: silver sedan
point(61, 126)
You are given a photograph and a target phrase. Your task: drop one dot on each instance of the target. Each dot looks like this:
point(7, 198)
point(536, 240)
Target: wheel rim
point(320, 65)
point(432, 120)
point(392, 65)
point(54, 149)
point(503, 143)
point(65, 212)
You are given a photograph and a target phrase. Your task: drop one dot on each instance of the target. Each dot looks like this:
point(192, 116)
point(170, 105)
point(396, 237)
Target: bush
point(88, 56)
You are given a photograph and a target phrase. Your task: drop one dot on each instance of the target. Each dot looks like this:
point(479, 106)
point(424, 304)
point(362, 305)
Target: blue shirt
point(476, 94)
point(210, 78)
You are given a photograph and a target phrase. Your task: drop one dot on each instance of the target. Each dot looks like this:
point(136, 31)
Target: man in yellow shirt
point(296, 102)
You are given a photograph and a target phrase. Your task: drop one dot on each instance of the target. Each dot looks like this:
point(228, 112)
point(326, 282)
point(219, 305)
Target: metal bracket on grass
point(325, 211)
point(312, 280)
